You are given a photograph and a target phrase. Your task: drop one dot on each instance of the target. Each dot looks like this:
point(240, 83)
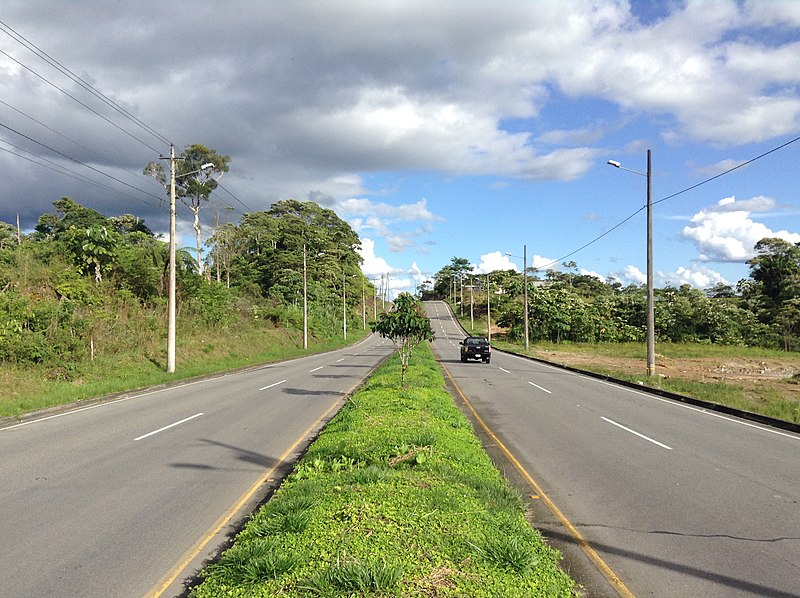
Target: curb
point(747, 415)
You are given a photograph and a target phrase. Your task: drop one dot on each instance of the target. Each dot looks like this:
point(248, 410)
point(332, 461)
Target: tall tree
point(68, 214)
point(193, 183)
point(776, 268)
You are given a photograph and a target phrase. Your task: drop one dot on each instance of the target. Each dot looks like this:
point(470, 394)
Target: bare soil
point(756, 377)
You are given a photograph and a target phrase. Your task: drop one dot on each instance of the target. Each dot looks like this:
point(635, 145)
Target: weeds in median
point(395, 498)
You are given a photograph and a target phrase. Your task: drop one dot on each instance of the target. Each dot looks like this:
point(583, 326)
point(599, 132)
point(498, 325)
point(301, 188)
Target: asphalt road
point(111, 499)
point(676, 500)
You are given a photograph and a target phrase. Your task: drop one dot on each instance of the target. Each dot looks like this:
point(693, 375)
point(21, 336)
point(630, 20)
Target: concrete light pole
point(651, 333)
point(172, 300)
point(525, 290)
point(488, 310)
point(305, 300)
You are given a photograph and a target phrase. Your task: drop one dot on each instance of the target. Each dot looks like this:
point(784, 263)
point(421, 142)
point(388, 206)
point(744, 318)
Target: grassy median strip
point(395, 498)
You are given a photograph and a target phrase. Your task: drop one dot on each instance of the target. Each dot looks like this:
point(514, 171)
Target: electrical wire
point(245, 206)
point(63, 155)
point(663, 199)
point(72, 97)
point(745, 163)
point(18, 37)
point(50, 165)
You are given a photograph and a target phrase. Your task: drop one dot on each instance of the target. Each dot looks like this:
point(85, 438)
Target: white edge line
point(271, 385)
point(540, 387)
point(635, 433)
point(316, 369)
point(504, 370)
point(673, 402)
point(168, 427)
point(702, 410)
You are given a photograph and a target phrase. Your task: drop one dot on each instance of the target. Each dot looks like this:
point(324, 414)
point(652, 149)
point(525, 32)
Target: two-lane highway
point(112, 499)
point(675, 500)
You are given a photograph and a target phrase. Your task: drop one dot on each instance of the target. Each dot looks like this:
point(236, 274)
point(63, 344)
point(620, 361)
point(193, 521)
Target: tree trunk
point(196, 210)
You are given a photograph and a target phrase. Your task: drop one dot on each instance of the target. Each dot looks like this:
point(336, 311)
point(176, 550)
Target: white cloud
point(696, 276)
point(373, 266)
point(726, 233)
point(403, 212)
point(755, 204)
point(715, 169)
point(630, 275)
point(592, 273)
point(543, 264)
point(495, 260)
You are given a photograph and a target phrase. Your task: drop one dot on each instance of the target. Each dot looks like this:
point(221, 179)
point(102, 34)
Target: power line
point(50, 165)
point(663, 199)
point(72, 97)
point(745, 163)
point(245, 206)
point(97, 170)
point(84, 84)
point(62, 135)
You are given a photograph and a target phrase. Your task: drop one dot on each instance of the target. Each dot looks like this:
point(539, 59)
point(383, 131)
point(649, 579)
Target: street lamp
point(344, 301)
point(488, 310)
point(471, 304)
point(171, 311)
point(525, 290)
point(305, 300)
point(305, 296)
point(651, 342)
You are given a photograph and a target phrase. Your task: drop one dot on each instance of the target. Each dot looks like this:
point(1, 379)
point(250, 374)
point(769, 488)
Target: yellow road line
point(195, 550)
point(612, 577)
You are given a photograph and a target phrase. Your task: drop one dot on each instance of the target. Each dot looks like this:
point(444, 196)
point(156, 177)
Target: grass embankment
point(396, 498)
point(690, 369)
point(135, 359)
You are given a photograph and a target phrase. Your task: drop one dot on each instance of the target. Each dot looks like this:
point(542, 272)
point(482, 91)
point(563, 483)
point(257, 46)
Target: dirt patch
point(758, 378)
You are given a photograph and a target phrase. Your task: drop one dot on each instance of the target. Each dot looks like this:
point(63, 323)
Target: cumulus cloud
point(630, 275)
point(726, 233)
point(496, 260)
point(312, 99)
point(403, 212)
point(373, 266)
point(697, 276)
point(593, 273)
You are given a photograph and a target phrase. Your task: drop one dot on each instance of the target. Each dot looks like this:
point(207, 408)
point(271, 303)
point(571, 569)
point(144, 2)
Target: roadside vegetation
point(396, 497)
point(736, 346)
point(83, 304)
point(754, 379)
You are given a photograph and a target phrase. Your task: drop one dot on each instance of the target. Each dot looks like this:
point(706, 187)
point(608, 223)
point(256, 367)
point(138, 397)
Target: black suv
point(475, 347)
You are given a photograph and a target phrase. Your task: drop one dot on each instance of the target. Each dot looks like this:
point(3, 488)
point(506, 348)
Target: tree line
point(78, 269)
point(761, 310)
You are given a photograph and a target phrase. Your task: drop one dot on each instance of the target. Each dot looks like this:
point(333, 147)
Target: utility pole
point(525, 294)
point(374, 301)
point(651, 320)
point(461, 293)
point(471, 305)
point(651, 328)
point(305, 300)
point(172, 299)
point(488, 310)
point(344, 303)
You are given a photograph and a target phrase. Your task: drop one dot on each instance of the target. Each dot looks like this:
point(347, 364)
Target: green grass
point(395, 498)
point(121, 368)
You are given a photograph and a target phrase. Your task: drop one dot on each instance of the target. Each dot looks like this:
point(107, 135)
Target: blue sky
point(437, 129)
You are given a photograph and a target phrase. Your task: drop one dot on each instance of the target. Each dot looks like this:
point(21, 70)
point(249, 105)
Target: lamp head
point(614, 163)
